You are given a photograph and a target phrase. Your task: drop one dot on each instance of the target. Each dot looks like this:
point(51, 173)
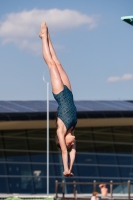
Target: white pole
point(47, 134)
point(47, 140)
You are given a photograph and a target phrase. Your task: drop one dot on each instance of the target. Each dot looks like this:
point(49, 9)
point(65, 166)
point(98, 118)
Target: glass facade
point(103, 154)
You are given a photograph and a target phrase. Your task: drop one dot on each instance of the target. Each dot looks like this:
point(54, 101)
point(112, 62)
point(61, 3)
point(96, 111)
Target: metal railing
point(94, 183)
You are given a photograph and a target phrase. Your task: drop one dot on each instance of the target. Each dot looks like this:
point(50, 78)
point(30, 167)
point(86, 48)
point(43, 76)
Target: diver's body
point(61, 88)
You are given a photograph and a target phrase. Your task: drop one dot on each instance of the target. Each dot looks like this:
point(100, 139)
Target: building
point(104, 140)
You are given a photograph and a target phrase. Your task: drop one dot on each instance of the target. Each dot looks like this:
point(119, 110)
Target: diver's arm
point(64, 151)
point(72, 154)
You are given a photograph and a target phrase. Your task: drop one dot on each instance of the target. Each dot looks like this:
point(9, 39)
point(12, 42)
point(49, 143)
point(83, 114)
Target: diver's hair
point(57, 141)
point(56, 124)
point(58, 144)
point(56, 137)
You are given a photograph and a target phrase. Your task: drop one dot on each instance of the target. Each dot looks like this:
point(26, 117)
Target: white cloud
point(21, 27)
point(113, 79)
point(125, 77)
point(30, 46)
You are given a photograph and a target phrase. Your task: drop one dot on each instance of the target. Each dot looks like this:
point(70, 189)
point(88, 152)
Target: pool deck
point(67, 196)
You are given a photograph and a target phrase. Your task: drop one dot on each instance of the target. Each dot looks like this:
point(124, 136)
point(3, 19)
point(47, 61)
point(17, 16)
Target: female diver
point(61, 88)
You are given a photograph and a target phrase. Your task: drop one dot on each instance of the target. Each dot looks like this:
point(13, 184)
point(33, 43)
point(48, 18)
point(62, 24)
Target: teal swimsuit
point(66, 109)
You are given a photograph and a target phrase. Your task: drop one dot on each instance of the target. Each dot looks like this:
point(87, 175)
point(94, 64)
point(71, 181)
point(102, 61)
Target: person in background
point(104, 190)
point(94, 196)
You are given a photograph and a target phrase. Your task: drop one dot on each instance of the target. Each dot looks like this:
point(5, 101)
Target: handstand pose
point(61, 88)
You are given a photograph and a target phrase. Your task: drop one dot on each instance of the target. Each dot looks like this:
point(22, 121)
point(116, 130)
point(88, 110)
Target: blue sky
point(94, 46)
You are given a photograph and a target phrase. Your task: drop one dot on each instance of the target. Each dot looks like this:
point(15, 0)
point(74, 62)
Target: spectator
point(104, 190)
point(94, 196)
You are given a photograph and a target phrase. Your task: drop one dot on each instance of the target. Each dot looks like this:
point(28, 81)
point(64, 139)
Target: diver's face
point(70, 139)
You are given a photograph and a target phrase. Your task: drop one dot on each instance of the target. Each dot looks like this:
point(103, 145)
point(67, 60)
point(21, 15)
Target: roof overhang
point(37, 120)
point(16, 115)
point(82, 123)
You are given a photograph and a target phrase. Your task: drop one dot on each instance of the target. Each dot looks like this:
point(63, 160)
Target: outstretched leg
point(57, 84)
point(62, 72)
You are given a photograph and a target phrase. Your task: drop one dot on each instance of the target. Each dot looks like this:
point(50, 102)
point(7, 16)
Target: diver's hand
point(70, 174)
point(66, 173)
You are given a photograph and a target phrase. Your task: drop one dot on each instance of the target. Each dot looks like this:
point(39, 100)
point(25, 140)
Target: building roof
point(33, 110)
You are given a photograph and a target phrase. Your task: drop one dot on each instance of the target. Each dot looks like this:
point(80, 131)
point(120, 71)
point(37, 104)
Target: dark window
point(2, 157)
point(87, 171)
point(21, 185)
point(103, 154)
point(17, 156)
point(102, 134)
point(15, 144)
point(104, 147)
point(84, 146)
point(2, 169)
point(107, 159)
point(125, 160)
point(85, 158)
point(124, 149)
point(38, 157)
point(126, 172)
point(111, 172)
point(37, 144)
point(4, 186)
point(18, 169)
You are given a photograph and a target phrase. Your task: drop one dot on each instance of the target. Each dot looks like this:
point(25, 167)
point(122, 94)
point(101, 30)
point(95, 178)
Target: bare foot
point(43, 30)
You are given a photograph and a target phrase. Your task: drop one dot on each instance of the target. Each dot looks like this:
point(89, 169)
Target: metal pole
point(128, 183)
point(56, 189)
point(47, 140)
point(63, 189)
point(94, 185)
point(74, 191)
point(111, 189)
